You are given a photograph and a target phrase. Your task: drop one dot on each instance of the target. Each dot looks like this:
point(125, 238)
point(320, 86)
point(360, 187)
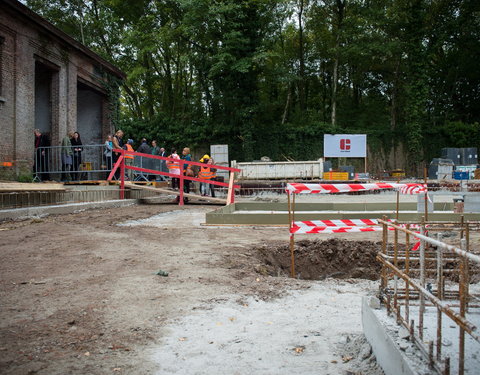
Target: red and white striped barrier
point(299, 188)
point(340, 226)
point(298, 230)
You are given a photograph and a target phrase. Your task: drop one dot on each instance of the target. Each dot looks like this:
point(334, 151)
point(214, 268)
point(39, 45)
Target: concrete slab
point(39, 211)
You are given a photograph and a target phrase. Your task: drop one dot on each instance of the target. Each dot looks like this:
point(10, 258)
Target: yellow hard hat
point(204, 157)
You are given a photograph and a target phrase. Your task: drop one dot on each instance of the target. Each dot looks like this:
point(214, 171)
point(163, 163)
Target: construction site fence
point(414, 283)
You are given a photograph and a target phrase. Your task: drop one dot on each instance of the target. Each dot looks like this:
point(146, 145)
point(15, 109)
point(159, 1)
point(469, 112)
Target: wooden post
point(231, 191)
point(292, 243)
point(182, 182)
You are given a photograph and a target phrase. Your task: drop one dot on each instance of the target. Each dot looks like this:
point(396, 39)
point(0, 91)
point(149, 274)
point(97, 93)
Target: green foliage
point(26, 177)
point(243, 72)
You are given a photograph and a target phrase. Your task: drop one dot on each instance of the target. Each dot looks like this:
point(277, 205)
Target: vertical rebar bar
point(467, 268)
point(461, 291)
point(383, 282)
point(439, 295)
point(395, 262)
point(422, 280)
point(426, 192)
point(446, 369)
point(412, 330)
point(407, 271)
point(430, 354)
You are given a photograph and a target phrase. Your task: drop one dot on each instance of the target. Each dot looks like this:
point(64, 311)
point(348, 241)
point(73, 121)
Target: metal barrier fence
point(65, 164)
point(421, 282)
point(93, 162)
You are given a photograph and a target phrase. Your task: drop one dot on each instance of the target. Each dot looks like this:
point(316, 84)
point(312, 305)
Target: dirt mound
point(317, 260)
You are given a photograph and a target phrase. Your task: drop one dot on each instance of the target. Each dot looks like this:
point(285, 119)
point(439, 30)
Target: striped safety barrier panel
point(340, 226)
point(299, 188)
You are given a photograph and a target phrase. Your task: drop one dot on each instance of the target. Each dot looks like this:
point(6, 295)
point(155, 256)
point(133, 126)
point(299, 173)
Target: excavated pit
point(343, 259)
point(318, 260)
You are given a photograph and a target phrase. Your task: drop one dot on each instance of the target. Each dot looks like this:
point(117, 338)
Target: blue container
point(459, 175)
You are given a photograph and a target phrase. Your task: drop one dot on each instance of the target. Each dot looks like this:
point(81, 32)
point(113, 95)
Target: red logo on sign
point(344, 144)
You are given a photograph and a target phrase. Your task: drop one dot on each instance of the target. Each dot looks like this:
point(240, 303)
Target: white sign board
point(345, 145)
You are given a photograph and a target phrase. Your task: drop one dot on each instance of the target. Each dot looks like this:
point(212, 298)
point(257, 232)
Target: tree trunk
point(301, 58)
point(340, 12)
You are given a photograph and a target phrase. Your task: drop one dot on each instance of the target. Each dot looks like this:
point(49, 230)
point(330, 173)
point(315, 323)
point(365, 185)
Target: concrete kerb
point(389, 355)
point(41, 211)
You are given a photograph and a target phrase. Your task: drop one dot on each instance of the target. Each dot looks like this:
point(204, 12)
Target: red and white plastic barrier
point(299, 188)
point(340, 226)
point(308, 230)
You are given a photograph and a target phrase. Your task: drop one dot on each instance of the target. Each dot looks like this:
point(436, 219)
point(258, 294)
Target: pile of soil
point(318, 260)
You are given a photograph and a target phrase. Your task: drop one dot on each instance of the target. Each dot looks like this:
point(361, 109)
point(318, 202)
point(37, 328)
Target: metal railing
point(93, 162)
point(401, 284)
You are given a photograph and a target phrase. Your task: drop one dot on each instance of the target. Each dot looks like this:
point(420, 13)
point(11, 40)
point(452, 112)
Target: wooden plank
point(174, 192)
point(6, 187)
point(230, 194)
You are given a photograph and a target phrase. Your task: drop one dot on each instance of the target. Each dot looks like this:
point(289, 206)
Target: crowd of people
point(71, 149)
point(174, 167)
point(70, 154)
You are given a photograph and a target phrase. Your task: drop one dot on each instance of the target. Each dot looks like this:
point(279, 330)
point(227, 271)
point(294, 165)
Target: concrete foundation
point(389, 356)
point(256, 213)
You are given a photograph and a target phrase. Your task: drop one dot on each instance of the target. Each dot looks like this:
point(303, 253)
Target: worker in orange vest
point(174, 168)
point(206, 173)
point(129, 158)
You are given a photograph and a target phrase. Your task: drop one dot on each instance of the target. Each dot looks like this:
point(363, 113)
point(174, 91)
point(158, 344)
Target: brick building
point(48, 81)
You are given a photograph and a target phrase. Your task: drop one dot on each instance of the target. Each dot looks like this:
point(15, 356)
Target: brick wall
point(24, 43)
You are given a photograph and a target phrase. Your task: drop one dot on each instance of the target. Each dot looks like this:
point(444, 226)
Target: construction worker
point(174, 168)
point(129, 158)
point(206, 173)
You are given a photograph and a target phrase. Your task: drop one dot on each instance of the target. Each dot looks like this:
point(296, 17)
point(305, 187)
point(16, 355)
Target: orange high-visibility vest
point(172, 164)
point(206, 173)
point(129, 148)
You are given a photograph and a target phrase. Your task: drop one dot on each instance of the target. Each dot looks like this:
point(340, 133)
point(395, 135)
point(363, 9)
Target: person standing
point(174, 168)
point(143, 162)
point(155, 163)
point(187, 169)
point(117, 144)
point(129, 158)
point(40, 163)
point(214, 174)
point(144, 148)
point(155, 148)
point(163, 165)
point(205, 173)
point(67, 153)
point(77, 154)
point(107, 153)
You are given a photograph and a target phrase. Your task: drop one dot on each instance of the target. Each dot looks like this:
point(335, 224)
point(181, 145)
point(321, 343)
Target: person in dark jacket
point(77, 154)
point(40, 163)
